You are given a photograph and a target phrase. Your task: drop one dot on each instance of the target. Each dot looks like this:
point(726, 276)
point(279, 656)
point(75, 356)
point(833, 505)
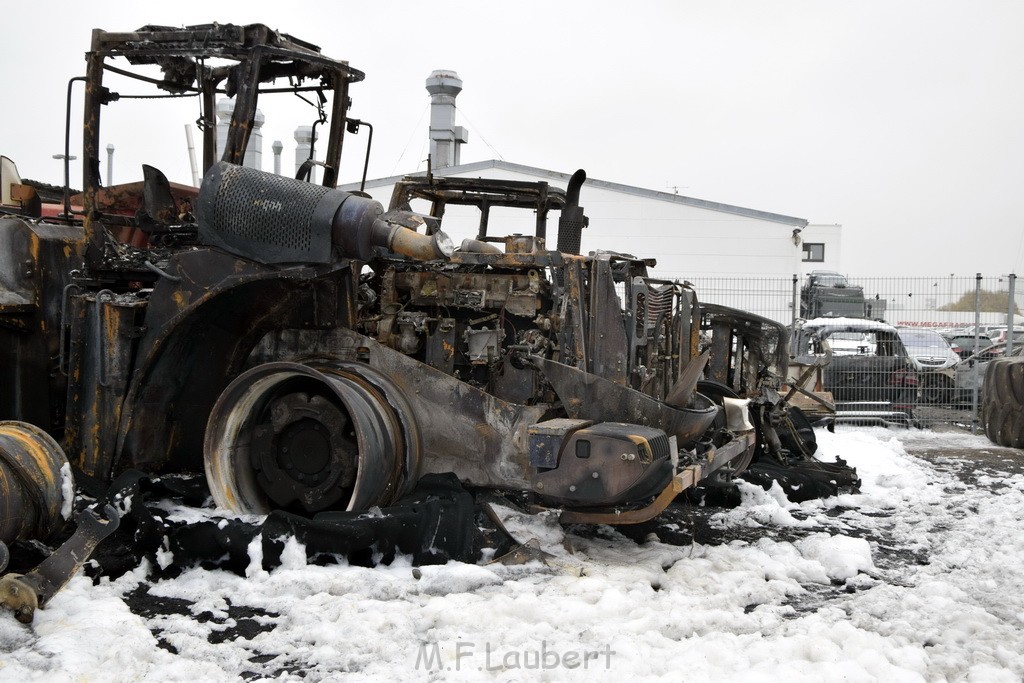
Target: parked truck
point(311, 351)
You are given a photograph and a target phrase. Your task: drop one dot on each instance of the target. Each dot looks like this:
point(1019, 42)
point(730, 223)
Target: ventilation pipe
point(278, 147)
point(304, 137)
point(445, 137)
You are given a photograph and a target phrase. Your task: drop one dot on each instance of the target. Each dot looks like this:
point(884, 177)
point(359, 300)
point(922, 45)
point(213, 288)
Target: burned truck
point(311, 351)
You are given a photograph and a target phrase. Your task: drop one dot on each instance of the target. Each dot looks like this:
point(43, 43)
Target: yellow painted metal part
point(643, 447)
point(687, 477)
point(677, 485)
point(416, 245)
point(32, 487)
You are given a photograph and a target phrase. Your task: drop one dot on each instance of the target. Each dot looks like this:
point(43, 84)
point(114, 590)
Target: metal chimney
point(254, 151)
point(445, 137)
point(277, 147)
point(110, 165)
point(303, 143)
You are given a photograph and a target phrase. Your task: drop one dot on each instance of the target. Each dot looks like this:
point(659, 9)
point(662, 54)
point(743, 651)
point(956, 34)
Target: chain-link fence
point(949, 328)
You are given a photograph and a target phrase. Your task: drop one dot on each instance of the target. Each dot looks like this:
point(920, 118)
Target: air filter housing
point(273, 219)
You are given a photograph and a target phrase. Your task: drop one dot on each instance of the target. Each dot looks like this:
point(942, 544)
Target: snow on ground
point(916, 578)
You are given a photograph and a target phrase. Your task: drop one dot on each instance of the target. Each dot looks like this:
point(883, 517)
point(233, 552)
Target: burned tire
point(992, 418)
point(1002, 410)
point(1013, 431)
point(1015, 379)
point(308, 439)
point(997, 382)
point(1006, 422)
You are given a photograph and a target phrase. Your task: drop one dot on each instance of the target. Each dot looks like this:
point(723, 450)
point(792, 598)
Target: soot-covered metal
point(314, 355)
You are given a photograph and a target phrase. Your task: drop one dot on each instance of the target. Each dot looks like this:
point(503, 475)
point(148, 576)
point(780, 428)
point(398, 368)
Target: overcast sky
point(902, 121)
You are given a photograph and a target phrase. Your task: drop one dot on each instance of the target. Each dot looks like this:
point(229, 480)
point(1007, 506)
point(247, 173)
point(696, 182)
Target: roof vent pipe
point(445, 137)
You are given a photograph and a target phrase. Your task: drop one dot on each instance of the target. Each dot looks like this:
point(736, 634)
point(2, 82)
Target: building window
point(814, 251)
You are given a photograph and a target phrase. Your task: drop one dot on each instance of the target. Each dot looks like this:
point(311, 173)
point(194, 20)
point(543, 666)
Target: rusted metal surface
point(289, 435)
point(483, 194)
point(589, 396)
point(36, 491)
point(313, 351)
point(24, 594)
point(687, 477)
point(497, 350)
point(103, 333)
point(37, 260)
point(679, 483)
point(249, 60)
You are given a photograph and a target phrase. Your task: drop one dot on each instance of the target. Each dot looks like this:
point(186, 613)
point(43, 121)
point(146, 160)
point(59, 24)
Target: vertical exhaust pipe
point(572, 221)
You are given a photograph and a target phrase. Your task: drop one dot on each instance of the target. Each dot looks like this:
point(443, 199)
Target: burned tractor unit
point(313, 352)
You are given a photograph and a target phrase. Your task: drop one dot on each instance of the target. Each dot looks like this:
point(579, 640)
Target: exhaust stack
point(572, 220)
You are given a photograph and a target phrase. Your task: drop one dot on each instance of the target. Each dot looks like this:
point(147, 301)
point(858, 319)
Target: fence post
point(977, 342)
point(1010, 315)
point(796, 294)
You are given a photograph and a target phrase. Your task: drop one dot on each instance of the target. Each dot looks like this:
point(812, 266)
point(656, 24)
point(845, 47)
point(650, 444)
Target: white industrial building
point(690, 238)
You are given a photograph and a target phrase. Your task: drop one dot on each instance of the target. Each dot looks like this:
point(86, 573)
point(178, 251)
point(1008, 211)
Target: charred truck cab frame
point(311, 351)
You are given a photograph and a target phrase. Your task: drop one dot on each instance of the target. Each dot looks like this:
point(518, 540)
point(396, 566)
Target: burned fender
point(199, 332)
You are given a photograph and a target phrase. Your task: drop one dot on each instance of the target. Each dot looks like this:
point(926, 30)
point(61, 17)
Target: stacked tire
point(1002, 406)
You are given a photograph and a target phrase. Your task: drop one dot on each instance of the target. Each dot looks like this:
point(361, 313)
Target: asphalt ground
point(967, 462)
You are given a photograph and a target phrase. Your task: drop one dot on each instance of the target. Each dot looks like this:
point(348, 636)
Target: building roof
point(563, 178)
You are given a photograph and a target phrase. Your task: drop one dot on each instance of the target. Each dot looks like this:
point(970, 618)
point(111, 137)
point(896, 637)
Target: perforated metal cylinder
point(270, 219)
point(265, 217)
point(573, 220)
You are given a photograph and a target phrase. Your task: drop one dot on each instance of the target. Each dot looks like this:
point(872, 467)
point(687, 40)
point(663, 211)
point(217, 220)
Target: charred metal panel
point(573, 316)
point(517, 293)
point(104, 332)
point(721, 354)
point(465, 430)
point(515, 384)
point(36, 264)
point(441, 346)
point(19, 283)
point(200, 331)
point(547, 438)
point(606, 464)
point(607, 338)
point(589, 397)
